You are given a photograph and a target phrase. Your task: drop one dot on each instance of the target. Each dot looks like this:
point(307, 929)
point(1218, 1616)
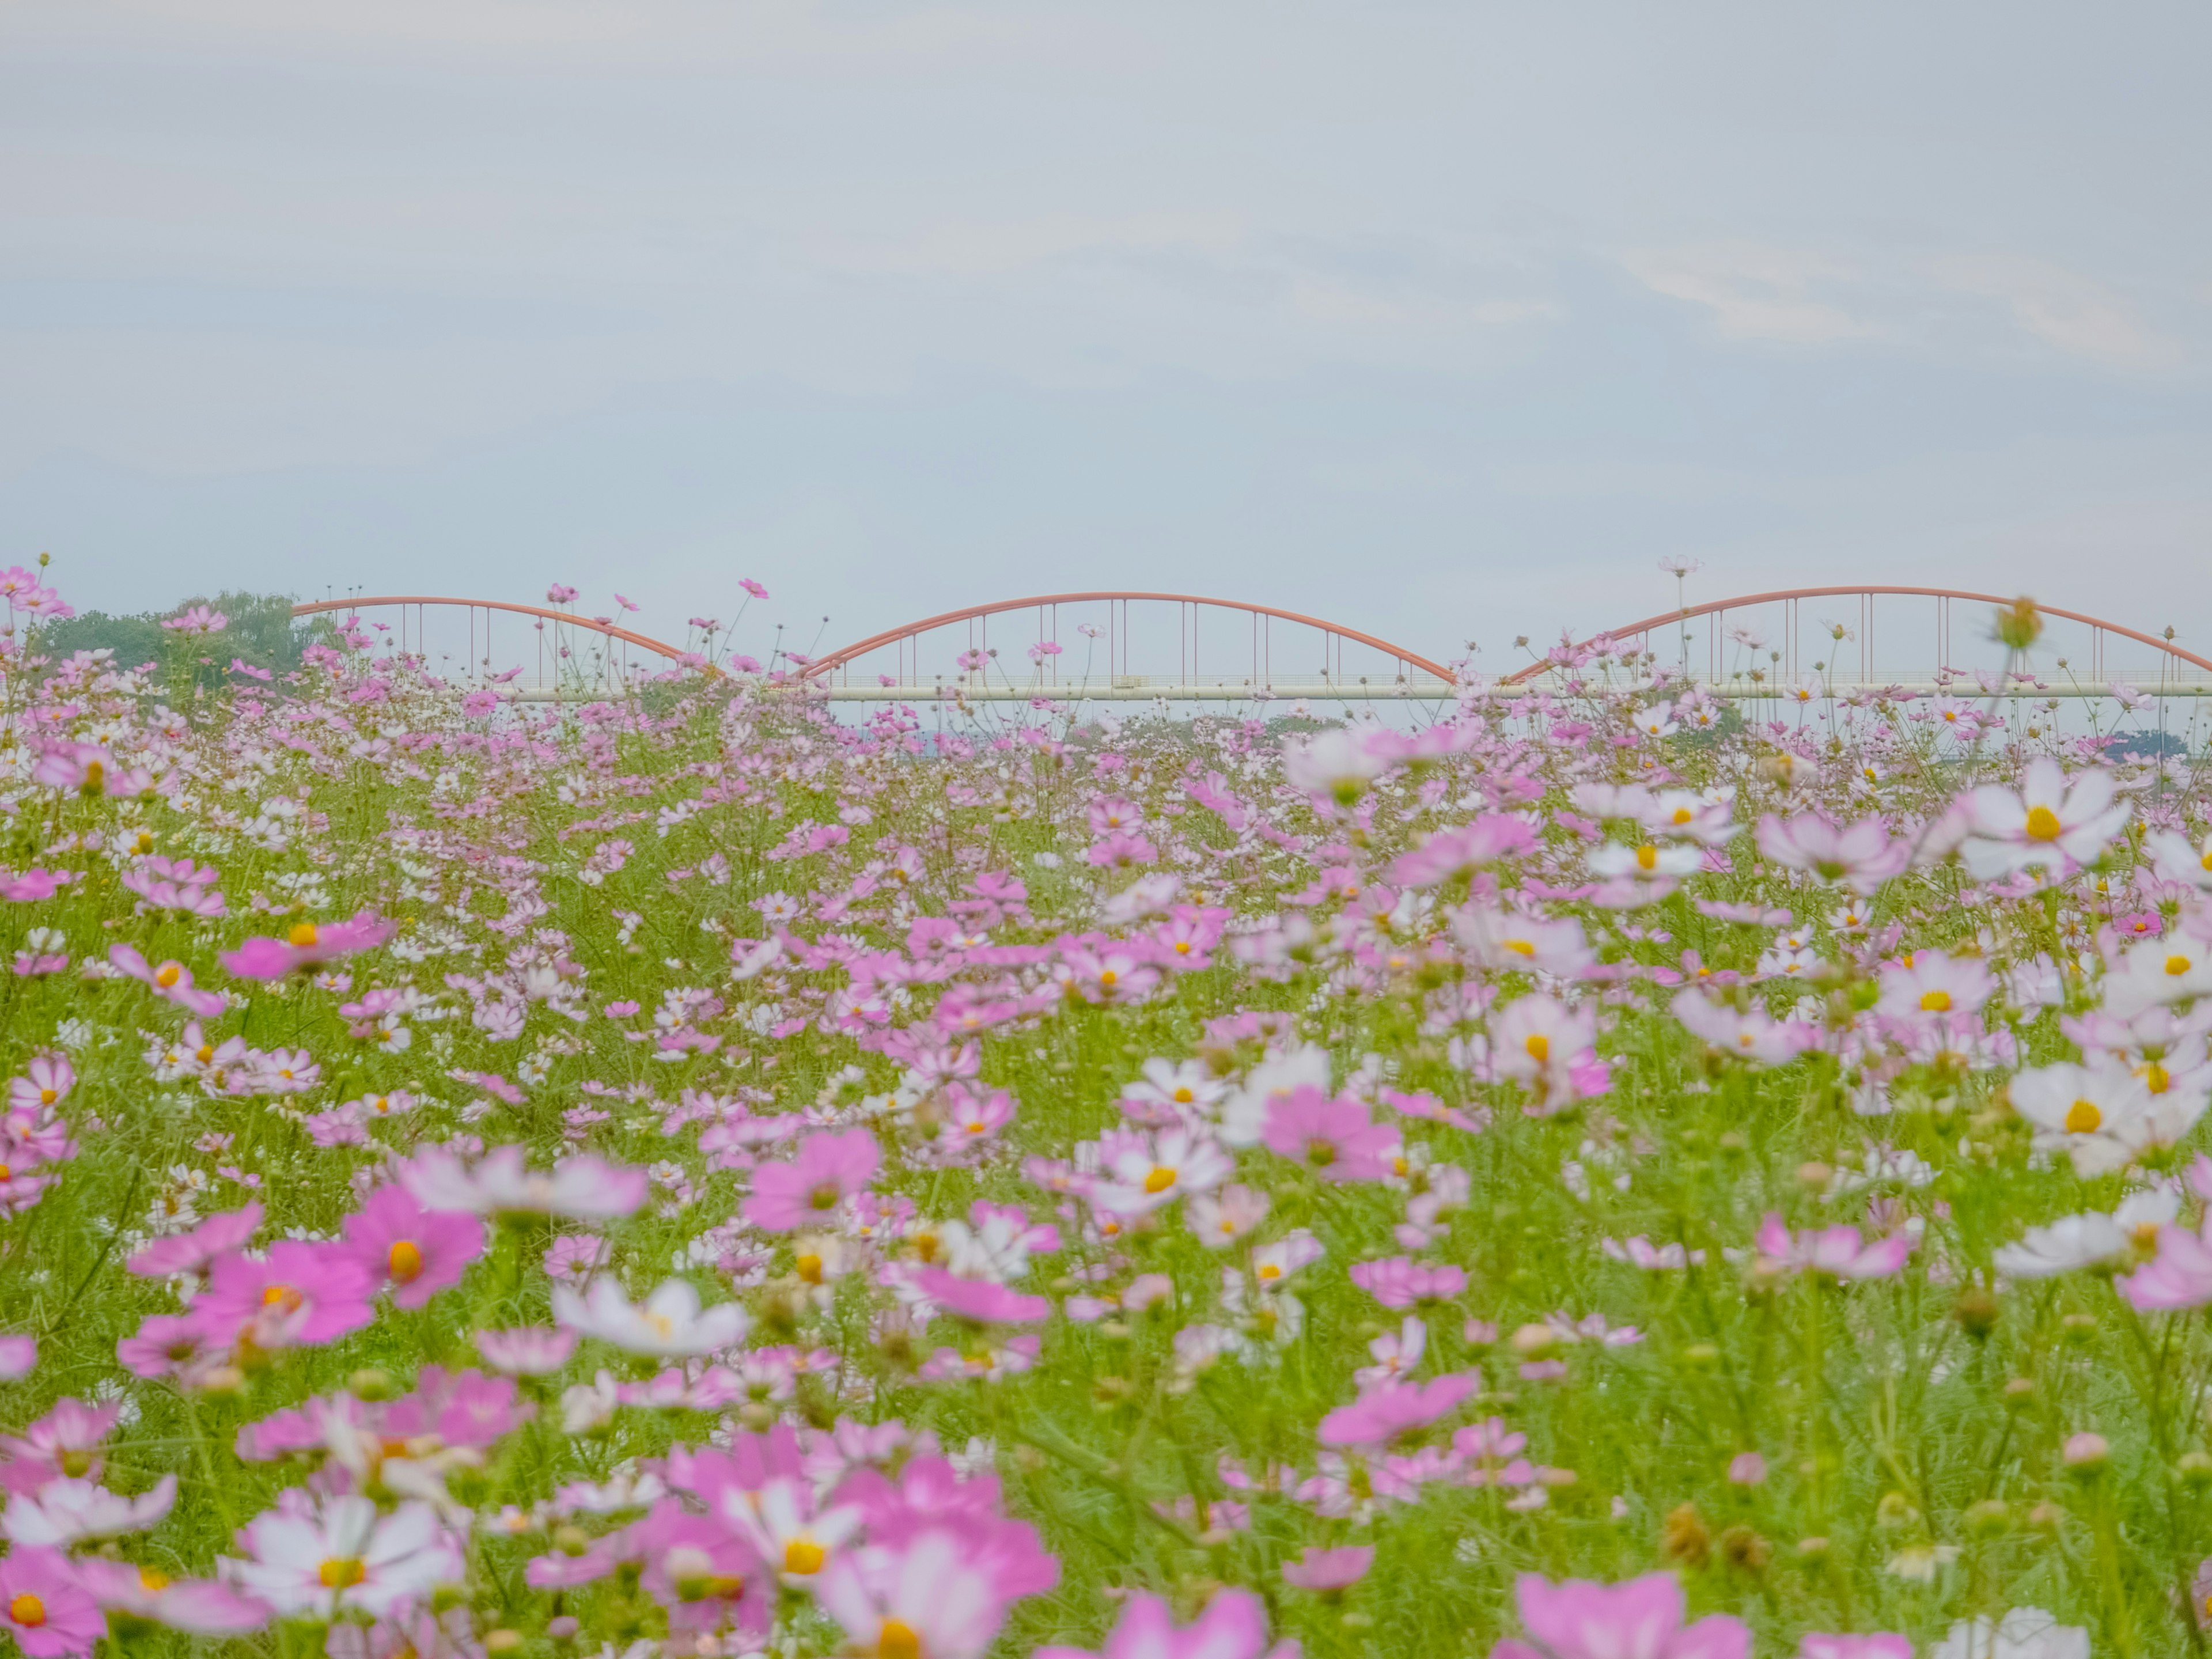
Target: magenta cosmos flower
point(417, 1252)
point(43, 1608)
point(829, 1169)
point(202, 1606)
point(298, 1292)
point(1400, 1281)
point(1233, 1626)
point(1643, 1618)
point(1334, 1138)
point(197, 1250)
point(1329, 1571)
point(1380, 1415)
point(306, 947)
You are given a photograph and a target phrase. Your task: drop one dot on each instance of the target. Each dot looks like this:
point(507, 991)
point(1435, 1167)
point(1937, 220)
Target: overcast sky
point(1448, 321)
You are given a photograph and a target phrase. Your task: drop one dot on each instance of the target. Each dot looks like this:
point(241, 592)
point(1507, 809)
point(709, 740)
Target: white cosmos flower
point(2102, 1115)
point(321, 1560)
point(1650, 862)
point(2083, 1241)
point(68, 1511)
point(669, 1324)
point(2023, 1633)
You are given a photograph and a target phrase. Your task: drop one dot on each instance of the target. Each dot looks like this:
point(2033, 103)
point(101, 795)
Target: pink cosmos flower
point(2179, 1276)
point(1401, 1282)
point(199, 1606)
point(1234, 1626)
point(1841, 1251)
point(829, 1169)
point(195, 1252)
point(1450, 853)
point(43, 1608)
point(1380, 1415)
point(560, 593)
point(1330, 1571)
point(306, 947)
point(983, 1301)
point(1334, 1139)
point(19, 1355)
point(298, 1292)
point(172, 981)
point(1639, 1620)
point(165, 1344)
point(417, 1252)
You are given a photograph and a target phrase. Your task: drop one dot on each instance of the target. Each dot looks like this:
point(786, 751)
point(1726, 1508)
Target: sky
point(1445, 321)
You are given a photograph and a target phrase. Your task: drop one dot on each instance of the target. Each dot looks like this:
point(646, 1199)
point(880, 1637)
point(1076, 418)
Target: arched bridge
point(559, 642)
point(1112, 645)
point(1124, 645)
point(1858, 643)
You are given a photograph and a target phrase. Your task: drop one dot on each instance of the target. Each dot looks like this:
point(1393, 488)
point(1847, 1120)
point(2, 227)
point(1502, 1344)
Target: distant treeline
point(260, 631)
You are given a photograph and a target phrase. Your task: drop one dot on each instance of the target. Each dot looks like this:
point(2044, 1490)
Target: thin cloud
point(1755, 292)
point(2062, 308)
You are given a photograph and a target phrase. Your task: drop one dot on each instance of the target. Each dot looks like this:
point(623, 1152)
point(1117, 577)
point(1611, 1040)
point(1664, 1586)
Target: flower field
point(1599, 1173)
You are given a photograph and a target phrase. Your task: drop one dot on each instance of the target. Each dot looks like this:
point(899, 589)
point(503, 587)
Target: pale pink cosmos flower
point(931, 1594)
point(320, 1559)
point(2179, 1276)
point(526, 1350)
point(1234, 1626)
point(1144, 1173)
point(1842, 1252)
point(172, 981)
point(299, 1293)
point(19, 1357)
point(579, 1189)
point(2052, 822)
point(1880, 1644)
point(1862, 855)
point(71, 1511)
point(1220, 1219)
point(1641, 1618)
point(1747, 1034)
point(1932, 982)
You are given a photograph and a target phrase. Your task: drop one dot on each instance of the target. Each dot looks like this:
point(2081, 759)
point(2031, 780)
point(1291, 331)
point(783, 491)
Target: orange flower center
point(405, 1261)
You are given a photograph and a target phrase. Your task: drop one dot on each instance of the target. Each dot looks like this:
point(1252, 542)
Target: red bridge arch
point(1866, 595)
point(542, 614)
point(1046, 604)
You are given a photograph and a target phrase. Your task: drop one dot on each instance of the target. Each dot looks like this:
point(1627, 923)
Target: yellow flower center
point(2083, 1117)
point(1646, 857)
point(1182, 947)
point(2177, 966)
point(2043, 824)
point(27, 1610)
point(1107, 977)
point(2155, 1078)
point(1681, 815)
point(809, 1268)
point(1269, 1270)
point(1521, 947)
point(405, 1261)
point(1539, 1047)
point(167, 976)
point(279, 1295)
point(1935, 1002)
point(302, 935)
point(897, 1639)
point(48, 1096)
point(804, 1555)
point(153, 1578)
point(1184, 1095)
point(1161, 1178)
point(341, 1571)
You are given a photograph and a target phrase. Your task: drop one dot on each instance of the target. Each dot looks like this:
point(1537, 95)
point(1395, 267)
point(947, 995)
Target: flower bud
point(2085, 1453)
point(2020, 1394)
point(501, 1641)
point(1533, 1342)
point(2196, 1467)
point(1976, 1310)
point(2019, 624)
point(1989, 1517)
